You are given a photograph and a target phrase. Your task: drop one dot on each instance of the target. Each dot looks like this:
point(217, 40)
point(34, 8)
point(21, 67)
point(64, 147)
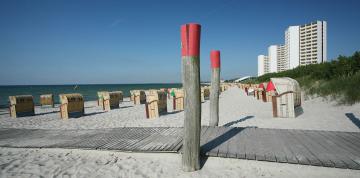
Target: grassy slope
point(339, 79)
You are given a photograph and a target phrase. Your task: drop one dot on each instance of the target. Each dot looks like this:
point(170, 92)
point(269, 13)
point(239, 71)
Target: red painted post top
point(215, 59)
point(190, 39)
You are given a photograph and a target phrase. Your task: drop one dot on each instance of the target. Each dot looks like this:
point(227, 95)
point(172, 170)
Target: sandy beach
point(236, 110)
point(91, 163)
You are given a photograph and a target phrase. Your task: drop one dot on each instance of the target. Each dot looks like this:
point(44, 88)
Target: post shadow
point(90, 114)
point(353, 119)
point(123, 107)
point(4, 113)
point(45, 113)
point(298, 111)
point(120, 107)
point(237, 121)
point(173, 112)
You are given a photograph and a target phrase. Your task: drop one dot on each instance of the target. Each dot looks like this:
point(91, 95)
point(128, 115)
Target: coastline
point(89, 91)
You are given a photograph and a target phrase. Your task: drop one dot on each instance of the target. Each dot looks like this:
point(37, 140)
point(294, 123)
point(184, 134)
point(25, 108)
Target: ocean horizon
point(89, 91)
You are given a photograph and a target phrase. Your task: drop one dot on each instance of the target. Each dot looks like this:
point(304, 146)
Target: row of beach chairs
point(72, 105)
point(284, 94)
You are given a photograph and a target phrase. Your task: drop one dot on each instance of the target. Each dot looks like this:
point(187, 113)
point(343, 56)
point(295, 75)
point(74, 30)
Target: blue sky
point(76, 42)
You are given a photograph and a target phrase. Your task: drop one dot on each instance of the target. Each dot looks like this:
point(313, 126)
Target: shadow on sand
point(237, 121)
point(93, 113)
point(298, 111)
point(168, 113)
point(353, 119)
point(4, 113)
point(45, 113)
point(123, 107)
point(91, 106)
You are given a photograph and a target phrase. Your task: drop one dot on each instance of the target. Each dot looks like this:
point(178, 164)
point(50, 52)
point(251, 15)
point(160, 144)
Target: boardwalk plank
point(150, 142)
point(344, 145)
point(251, 146)
point(278, 150)
point(241, 142)
point(118, 139)
point(323, 144)
point(337, 150)
point(281, 141)
point(257, 144)
point(355, 134)
point(208, 142)
point(205, 137)
point(214, 142)
point(345, 140)
point(173, 139)
point(351, 138)
point(301, 153)
point(136, 136)
point(228, 134)
point(267, 144)
point(322, 148)
point(169, 138)
point(313, 146)
point(164, 138)
point(133, 136)
point(233, 147)
point(341, 150)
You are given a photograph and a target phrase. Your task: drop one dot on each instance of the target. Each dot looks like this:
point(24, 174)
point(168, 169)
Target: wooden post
point(215, 86)
point(190, 56)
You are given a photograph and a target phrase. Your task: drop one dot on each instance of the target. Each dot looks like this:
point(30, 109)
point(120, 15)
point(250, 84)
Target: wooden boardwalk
point(318, 148)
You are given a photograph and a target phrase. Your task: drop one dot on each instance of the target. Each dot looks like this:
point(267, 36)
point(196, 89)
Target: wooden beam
point(190, 52)
point(215, 86)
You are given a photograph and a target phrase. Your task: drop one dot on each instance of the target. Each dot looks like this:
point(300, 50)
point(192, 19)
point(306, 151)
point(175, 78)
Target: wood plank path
point(307, 147)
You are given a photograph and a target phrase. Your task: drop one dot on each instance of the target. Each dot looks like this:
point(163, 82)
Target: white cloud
point(116, 22)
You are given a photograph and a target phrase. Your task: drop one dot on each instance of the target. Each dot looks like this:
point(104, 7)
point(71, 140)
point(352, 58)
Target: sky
point(113, 42)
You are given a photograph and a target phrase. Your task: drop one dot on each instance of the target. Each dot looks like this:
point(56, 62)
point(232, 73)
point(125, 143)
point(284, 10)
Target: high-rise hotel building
point(263, 65)
point(276, 58)
point(313, 40)
point(292, 47)
point(281, 62)
point(304, 44)
point(273, 58)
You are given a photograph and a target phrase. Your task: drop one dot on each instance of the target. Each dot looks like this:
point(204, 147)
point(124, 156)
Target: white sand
point(236, 109)
point(90, 163)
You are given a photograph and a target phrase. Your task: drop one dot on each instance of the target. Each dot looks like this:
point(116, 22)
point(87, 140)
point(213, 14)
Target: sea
point(89, 91)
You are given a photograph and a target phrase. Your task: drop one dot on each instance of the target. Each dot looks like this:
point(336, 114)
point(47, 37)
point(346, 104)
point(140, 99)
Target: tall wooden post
point(215, 86)
point(190, 56)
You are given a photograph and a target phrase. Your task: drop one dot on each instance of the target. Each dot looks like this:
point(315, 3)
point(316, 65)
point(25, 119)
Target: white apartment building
point(263, 65)
point(281, 62)
point(304, 44)
point(273, 58)
point(313, 43)
point(292, 42)
point(277, 61)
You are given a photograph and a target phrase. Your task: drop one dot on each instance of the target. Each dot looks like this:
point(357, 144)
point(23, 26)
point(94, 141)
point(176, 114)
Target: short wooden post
point(215, 86)
point(190, 54)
